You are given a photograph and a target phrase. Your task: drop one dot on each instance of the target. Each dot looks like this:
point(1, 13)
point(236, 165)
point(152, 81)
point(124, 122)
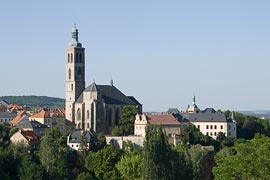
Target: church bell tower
point(75, 73)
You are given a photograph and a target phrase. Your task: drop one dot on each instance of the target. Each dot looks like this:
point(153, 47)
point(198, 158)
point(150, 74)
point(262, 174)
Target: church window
point(88, 126)
point(71, 87)
point(110, 117)
point(79, 114)
point(71, 57)
point(77, 57)
point(92, 115)
point(81, 60)
point(116, 116)
point(87, 114)
point(68, 58)
point(69, 74)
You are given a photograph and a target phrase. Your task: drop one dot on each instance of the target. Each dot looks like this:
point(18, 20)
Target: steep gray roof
point(91, 87)
point(173, 111)
point(75, 137)
point(110, 94)
point(7, 115)
point(209, 110)
point(206, 117)
point(80, 99)
point(25, 123)
point(134, 100)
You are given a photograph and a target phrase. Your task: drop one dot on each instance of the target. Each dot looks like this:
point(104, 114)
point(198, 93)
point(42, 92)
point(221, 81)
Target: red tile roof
point(14, 108)
point(2, 107)
point(18, 118)
point(166, 119)
point(31, 137)
point(41, 114)
point(47, 113)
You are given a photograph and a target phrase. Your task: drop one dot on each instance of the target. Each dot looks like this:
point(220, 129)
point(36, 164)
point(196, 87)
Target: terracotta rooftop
point(31, 137)
point(47, 113)
point(162, 119)
point(18, 118)
point(14, 107)
point(41, 114)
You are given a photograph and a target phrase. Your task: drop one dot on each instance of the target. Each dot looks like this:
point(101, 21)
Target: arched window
point(71, 57)
point(71, 87)
point(77, 57)
point(87, 114)
point(68, 58)
point(79, 114)
point(69, 74)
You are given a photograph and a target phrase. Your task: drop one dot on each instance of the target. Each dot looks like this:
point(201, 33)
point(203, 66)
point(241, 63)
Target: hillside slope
point(35, 101)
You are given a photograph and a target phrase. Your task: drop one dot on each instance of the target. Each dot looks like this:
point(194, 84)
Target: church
point(95, 107)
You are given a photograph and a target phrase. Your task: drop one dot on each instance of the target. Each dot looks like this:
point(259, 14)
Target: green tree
point(130, 166)
point(248, 160)
point(127, 119)
point(30, 170)
point(101, 140)
point(53, 154)
point(9, 163)
point(85, 176)
point(83, 147)
point(102, 163)
point(157, 155)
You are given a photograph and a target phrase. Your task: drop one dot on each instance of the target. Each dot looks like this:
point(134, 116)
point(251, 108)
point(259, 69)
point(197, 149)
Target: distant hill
point(35, 101)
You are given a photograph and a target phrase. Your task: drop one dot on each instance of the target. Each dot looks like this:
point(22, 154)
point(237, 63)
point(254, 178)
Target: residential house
point(27, 125)
point(173, 124)
point(20, 116)
point(74, 140)
point(53, 118)
point(6, 117)
point(27, 138)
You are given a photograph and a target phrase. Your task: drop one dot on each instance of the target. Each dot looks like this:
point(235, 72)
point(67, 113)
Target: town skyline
point(162, 53)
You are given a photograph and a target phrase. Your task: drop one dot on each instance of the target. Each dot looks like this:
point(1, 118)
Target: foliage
point(9, 163)
point(30, 170)
point(249, 126)
point(35, 101)
point(195, 158)
point(83, 148)
point(193, 136)
point(102, 163)
point(158, 162)
point(130, 166)
point(53, 154)
point(247, 160)
point(13, 131)
point(85, 176)
point(116, 131)
point(101, 140)
point(127, 119)
point(207, 164)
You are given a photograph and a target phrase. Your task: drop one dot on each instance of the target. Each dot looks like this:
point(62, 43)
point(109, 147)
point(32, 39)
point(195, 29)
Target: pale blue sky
point(159, 51)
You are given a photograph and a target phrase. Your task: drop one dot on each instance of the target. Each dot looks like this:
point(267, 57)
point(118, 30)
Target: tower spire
point(75, 37)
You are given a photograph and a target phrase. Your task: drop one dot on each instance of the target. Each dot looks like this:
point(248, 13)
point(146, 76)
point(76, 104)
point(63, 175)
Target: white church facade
point(95, 107)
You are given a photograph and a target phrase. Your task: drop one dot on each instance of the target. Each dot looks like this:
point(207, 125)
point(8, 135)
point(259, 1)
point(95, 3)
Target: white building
point(74, 140)
point(211, 123)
